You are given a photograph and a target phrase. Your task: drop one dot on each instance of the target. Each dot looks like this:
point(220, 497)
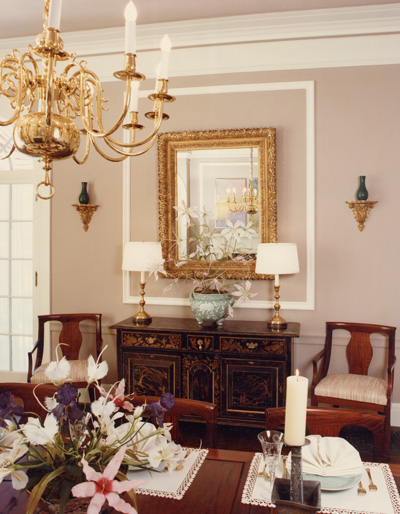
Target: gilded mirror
point(230, 175)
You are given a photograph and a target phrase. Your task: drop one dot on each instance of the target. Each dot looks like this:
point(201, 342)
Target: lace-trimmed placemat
point(174, 483)
point(385, 501)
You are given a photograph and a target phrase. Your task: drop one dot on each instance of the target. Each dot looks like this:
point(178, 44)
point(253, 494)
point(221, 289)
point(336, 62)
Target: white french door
point(24, 264)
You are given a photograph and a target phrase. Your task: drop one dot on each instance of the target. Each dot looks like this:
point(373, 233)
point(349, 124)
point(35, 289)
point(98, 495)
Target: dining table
point(216, 489)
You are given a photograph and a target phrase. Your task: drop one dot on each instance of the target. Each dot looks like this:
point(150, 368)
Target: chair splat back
point(359, 353)
point(70, 339)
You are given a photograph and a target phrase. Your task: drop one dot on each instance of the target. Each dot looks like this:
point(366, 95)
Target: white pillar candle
point(130, 28)
point(54, 14)
point(276, 280)
point(165, 50)
point(296, 410)
point(142, 276)
point(134, 103)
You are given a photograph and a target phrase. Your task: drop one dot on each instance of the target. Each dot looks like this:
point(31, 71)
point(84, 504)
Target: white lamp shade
point(140, 256)
point(277, 259)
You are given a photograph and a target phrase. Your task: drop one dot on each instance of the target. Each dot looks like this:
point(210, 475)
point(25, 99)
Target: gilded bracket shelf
point(85, 212)
point(361, 210)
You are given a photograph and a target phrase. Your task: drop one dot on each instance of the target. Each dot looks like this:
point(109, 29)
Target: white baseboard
point(395, 415)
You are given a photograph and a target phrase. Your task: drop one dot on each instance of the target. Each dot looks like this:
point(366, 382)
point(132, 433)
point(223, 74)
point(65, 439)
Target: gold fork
point(372, 486)
point(361, 491)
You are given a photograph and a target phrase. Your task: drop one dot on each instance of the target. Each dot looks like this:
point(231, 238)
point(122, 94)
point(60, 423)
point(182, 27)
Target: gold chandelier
point(248, 202)
point(46, 106)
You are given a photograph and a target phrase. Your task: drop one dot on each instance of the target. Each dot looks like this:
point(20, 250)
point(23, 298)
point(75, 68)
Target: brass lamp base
point(277, 322)
point(142, 318)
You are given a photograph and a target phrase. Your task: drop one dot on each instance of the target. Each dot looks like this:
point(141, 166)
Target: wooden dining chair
point(70, 340)
point(27, 396)
point(356, 389)
point(186, 407)
point(328, 422)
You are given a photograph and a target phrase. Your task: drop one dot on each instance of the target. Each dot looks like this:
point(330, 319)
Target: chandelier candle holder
point(46, 106)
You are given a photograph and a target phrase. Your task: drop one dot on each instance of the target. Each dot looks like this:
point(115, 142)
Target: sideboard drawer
point(200, 342)
point(254, 345)
point(151, 340)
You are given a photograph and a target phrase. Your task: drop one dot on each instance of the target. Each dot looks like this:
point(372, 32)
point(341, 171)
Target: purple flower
point(7, 408)
point(164, 404)
point(67, 405)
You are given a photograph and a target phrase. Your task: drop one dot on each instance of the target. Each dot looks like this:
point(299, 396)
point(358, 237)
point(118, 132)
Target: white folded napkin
point(329, 456)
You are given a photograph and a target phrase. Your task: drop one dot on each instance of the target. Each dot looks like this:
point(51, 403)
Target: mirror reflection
point(223, 185)
point(213, 184)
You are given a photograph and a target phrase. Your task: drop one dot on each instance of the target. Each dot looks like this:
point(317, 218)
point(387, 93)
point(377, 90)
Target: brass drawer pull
point(251, 346)
point(200, 343)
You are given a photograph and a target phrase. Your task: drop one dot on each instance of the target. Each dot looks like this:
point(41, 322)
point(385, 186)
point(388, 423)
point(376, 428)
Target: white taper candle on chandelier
point(296, 410)
point(134, 103)
point(54, 18)
point(165, 50)
point(130, 28)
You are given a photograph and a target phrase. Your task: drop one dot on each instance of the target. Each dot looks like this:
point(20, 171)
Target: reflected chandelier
point(46, 106)
point(249, 199)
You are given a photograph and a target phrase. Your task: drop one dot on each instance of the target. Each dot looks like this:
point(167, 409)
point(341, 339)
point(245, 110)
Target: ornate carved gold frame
point(169, 144)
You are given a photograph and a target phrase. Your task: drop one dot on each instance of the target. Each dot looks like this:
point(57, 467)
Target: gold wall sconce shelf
point(85, 212)
point(361, 210)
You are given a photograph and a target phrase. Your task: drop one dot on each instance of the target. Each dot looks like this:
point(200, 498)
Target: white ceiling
point(24, 17)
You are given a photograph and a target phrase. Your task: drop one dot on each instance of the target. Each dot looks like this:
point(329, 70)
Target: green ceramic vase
point(84, 196)
point(362, 193)
point(210, 307)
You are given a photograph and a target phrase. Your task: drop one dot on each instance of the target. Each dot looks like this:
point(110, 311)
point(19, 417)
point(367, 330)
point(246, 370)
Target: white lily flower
point(96, 370)
point(243, 292)
point(58, 371)
point(185, 212)
point(38, 434)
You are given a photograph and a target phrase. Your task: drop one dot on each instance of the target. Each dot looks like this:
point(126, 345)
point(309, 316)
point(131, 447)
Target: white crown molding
point(287, 26)
point(309, 302)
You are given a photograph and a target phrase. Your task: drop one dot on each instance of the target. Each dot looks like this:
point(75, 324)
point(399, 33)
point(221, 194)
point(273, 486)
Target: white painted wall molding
point(349, 36)
point(313, 23)
point(309, 302)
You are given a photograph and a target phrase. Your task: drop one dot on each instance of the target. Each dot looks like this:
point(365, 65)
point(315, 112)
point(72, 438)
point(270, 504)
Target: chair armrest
point(317, 375)
point(35, 348)
point(390, 372)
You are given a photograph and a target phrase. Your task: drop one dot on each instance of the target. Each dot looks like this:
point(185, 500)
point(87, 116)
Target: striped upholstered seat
point(357, 389)
point(78, 372)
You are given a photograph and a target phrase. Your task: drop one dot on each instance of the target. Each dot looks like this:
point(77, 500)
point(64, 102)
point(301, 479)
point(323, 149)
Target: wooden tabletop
point(216, 489)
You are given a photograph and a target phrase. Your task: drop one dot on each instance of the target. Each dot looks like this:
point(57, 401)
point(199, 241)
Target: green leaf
point(38, 490)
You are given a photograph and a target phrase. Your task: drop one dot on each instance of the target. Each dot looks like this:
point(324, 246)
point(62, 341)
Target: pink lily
point(119, 398)
point(102, 487)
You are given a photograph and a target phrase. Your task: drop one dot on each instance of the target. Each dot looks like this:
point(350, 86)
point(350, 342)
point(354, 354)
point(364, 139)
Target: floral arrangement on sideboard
point(80, 451)
point(212, 247)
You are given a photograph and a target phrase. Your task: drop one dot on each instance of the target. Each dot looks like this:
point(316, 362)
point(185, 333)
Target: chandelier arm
point(103, 133)
point(87, 151)
point(131, 154)
point(105, 156)
point(8, 153)
point(157, 124)
point(20, 90)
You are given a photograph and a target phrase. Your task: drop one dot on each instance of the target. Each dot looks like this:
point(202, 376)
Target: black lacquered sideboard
point(242, 366)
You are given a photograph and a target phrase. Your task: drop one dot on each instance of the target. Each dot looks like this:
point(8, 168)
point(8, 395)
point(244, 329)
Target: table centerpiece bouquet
point(83, 450)
point(206, 252)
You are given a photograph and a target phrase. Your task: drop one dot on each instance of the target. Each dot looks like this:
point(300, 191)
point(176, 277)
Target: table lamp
point(141, 256)
point(277, 259)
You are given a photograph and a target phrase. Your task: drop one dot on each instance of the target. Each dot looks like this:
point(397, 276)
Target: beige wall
point(357, 120)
